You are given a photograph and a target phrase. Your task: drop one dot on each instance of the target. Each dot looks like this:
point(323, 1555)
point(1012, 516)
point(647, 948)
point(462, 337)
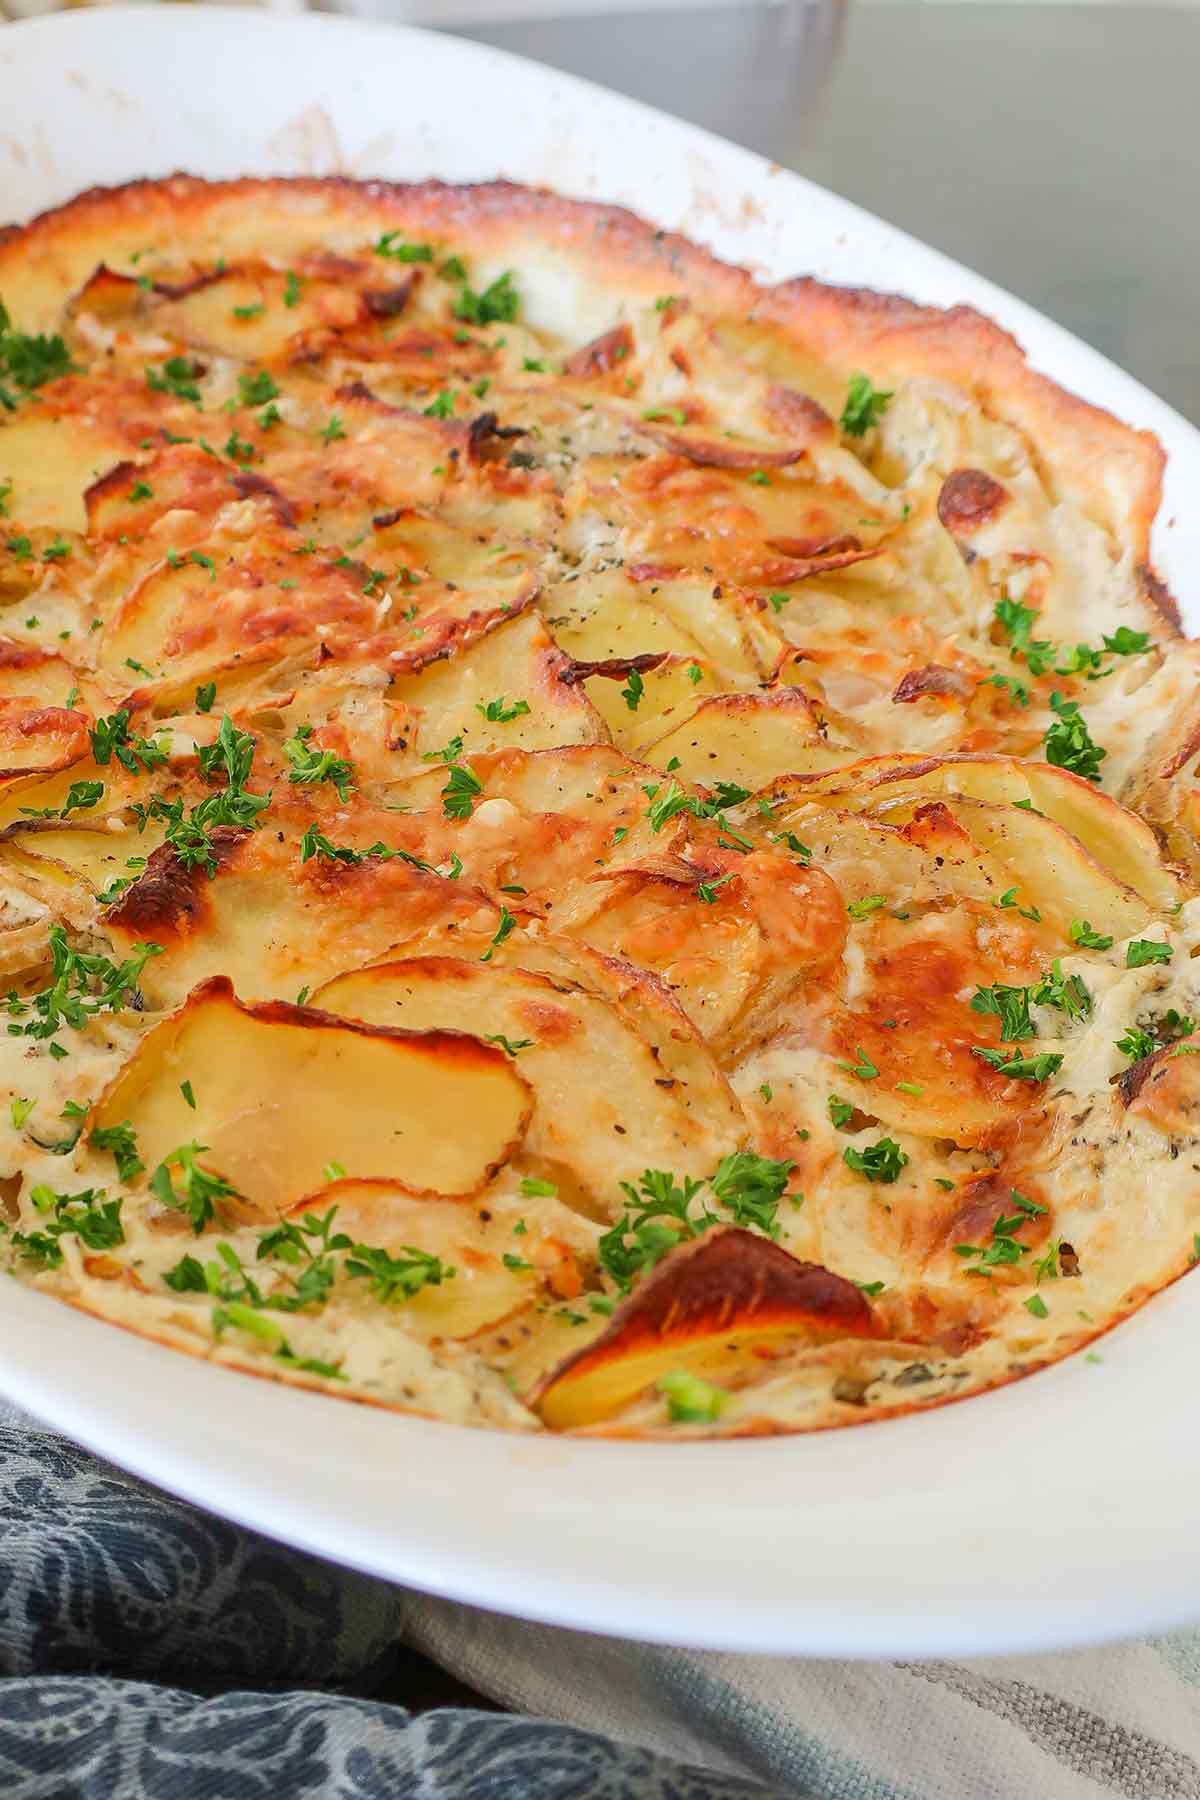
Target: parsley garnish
point(396, 1276)
point(497, 303)
point(865, 406)
point(460, 792)
point(862, 909)
point(93, 1219)
point(659, 1212)
point(633, 690)
point(1146, 950)
point(691, 1401)
point(81, 797)
point(1021, 1068)
point(110, 737)
point(121, 1141)
point(176, 376)
point(257, 389)
point(393, 245)
point(881, 1161)
point(497, 713)
point(199, 1189)
point(317, 765)
point(82, 987)
point(28, 361)
point(1068, 742)
point(507, 924)
point(1080, 932)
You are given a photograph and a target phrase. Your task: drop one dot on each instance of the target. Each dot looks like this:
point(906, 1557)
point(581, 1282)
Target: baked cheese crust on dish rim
point(586, 844)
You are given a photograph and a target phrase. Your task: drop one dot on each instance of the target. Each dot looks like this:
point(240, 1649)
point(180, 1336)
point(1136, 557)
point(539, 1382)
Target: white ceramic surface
point(1058, 1511)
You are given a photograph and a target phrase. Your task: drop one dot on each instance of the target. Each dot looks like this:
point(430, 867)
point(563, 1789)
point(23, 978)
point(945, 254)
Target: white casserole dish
point(1054, 1511)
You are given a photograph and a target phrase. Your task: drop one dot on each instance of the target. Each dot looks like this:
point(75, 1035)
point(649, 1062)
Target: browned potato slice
point(514, 673)
point(1062, 879)
point(603, 1111)
point(274, 924)
point(438, 1109)
point(171, 621)
point(1115, 837)
point(750, 739)
point(37, 740)
point(605, 614)
point(710, 1308)
point(669, 690)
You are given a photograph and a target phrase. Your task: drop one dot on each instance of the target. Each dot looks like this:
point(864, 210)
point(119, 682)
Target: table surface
point(1052, 148)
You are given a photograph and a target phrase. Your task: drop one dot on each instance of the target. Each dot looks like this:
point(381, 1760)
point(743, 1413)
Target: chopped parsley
point(497, 713)
point(110, 737)
point(393, 245)
point(177, 376)
point(865, 405)
point(462, 789)
point(120, 1140)
point(497, 304)
point(95, 1220)
point(257, 389)
point(633, 690)
point(881, 1161)
point(691, 1401)
point(659, 1212)
point(316, 765)
point(1146, 950)
point(198, 1190)
point(862, 909)
point(83, 986)
point(1080, 932)
point(504, 928)
point(81, 797)
point(1068, 742)
point(1020, 1068)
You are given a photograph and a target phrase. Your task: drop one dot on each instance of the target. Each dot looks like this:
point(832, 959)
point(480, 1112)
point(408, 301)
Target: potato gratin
point(587, 844)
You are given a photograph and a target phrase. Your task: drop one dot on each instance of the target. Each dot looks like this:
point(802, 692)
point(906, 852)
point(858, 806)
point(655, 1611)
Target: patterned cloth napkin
point(156, 1653)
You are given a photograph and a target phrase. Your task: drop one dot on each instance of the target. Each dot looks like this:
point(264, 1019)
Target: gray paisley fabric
point(101, 1574)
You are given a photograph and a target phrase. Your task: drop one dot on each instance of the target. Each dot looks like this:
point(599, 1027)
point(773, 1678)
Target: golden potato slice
point(52, 458)
point(38, 740)
point(171, 622)
point(603, 614)
point(603, 1110)
point(750, 739)
point(1115, 837)
point(505, 690)
point(669, 688)
point(437, 1109)
point(273, 923)
point(710, 1308)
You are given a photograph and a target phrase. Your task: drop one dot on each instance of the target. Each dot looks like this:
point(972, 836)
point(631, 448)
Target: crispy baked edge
point(1109, 469)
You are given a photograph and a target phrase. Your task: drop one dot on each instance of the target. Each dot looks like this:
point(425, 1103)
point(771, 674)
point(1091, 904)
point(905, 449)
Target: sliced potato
point(712, 1308)
point(437, 1110)
point(750, 739)
point(1115, 837)
point(483, 1288)
point(505, 690)
point(603, 1110)
point(274, 923)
